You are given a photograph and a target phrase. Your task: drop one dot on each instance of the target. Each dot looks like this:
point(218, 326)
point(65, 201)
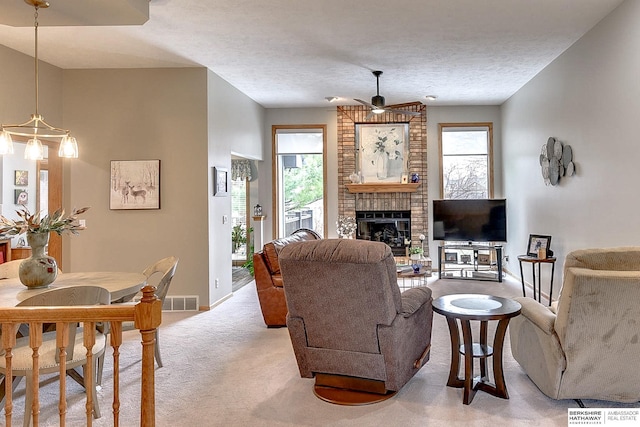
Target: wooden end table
point(539, 261)
point(483, 308)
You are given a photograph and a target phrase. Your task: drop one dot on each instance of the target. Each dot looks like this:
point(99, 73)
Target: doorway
point(241, 232)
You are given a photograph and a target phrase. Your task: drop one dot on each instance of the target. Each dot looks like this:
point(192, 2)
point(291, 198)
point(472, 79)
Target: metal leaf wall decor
point(556, 161)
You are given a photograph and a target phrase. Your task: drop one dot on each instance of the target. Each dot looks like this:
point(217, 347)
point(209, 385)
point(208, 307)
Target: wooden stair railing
point(146, 315)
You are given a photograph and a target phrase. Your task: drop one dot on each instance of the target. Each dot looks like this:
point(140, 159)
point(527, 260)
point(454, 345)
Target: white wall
point(300, 116)
point(235, 126)
point(436, 115)
point(588, 98)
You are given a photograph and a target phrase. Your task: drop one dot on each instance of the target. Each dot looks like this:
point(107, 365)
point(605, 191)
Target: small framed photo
point(451, 257)
point(405, 179)
point(465, 259)
point(22, 177)
point(21, 197)
point(484, 259)
point(536, 242)
point(220, 182)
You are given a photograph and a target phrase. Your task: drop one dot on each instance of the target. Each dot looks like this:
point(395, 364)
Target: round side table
point(483, 308)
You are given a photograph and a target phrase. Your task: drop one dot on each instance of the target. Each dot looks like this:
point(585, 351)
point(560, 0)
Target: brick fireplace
point(413, 203)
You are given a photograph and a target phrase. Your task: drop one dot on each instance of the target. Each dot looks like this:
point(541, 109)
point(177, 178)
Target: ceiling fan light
point(68, 147)
point(377, 110)
point(6, 143)
point(34, 150)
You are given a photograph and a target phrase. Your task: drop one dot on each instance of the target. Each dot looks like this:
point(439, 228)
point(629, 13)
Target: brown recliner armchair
point(350, 326)
point(266, 270)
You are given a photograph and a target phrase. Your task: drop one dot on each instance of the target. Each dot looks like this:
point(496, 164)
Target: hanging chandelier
point(36, 128)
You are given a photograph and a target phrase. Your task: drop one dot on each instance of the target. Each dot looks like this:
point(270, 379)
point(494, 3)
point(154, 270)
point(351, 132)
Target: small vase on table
point(39, 270)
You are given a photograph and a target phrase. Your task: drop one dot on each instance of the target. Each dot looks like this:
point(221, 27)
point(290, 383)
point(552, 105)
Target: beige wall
point(138, 115)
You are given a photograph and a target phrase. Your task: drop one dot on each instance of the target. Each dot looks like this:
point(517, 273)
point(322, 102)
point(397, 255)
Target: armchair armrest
point(413, 299)
point(538, 314)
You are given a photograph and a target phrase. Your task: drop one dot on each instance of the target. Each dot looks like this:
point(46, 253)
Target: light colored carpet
point(225, 368)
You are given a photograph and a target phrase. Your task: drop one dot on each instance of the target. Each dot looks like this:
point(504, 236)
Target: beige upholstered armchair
point(350, 326)
point(587, 346)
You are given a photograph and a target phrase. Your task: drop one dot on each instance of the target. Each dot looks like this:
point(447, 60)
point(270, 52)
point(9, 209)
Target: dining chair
point(22, 365)
point(159, 274)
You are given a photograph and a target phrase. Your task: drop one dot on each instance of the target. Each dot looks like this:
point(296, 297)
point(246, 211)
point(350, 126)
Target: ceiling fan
point(377, 105)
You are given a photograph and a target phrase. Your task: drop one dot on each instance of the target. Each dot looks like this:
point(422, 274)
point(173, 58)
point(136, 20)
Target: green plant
point(238, 235)
point(249, 263)
point(415, 250)
point(34, 223)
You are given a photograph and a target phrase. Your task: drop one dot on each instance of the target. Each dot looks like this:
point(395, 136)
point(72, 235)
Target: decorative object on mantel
point(40, 270)
point(346, 226)
point(356, 178)
point(556, 161)
point(257, 210)
point(36, 127)
point(415, 178)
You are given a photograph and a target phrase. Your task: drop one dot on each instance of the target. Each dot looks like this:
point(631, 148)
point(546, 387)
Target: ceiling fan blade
point(408, 113)
point(369, 116)
point(364, 103)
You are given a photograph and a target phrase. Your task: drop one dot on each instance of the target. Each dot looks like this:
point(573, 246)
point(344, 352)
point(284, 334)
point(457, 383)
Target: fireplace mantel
point(380, 187)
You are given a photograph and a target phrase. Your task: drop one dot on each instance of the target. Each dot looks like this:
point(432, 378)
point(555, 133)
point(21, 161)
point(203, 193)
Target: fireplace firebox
point(390, 227)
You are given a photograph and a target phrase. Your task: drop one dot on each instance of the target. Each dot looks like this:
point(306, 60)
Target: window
point(466, 170)
point(299, 178)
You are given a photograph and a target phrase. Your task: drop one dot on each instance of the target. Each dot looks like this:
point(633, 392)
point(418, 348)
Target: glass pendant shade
point(6, 143)
point(34, 150)
point(68, 148)
point(36, 127)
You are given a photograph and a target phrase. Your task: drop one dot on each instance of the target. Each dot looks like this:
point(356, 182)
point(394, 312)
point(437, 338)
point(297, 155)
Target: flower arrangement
point(35, 223)
point(346, 226)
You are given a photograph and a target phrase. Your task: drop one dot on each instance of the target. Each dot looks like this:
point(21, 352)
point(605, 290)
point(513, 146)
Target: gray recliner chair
point(350, 326)
point(587, 345)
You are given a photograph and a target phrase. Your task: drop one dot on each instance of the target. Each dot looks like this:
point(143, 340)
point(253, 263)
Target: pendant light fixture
point(36, 127)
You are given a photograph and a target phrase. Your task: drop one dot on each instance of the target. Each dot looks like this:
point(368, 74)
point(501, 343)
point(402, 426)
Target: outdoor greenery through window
point(299, 180)
point(465, 166)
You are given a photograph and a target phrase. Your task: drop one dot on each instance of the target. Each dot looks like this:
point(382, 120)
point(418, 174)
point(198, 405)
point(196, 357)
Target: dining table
point(119, 284)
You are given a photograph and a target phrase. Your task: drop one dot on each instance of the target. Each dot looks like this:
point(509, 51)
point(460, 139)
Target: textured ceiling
point(294, 53)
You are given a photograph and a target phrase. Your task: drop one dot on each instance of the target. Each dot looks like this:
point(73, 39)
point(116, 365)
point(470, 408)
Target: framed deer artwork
point(135, 184)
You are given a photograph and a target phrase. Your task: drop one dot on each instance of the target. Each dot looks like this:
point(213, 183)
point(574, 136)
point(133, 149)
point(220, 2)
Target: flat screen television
point(470, 220)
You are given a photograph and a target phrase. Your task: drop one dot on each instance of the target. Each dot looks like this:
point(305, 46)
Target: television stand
point(472, 261)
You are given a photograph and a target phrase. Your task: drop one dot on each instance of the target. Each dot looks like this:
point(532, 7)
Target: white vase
point(381, 165)
point(39, 270)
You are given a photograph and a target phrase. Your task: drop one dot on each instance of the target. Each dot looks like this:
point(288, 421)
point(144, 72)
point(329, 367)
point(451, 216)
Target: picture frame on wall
point(382, 151)
point(536, 242)
point(135, 184)
point(21, 197)
point(220, 181)
point(21, 177)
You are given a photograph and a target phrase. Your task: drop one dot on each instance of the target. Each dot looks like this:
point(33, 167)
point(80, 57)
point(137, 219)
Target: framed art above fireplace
point(382, 151)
